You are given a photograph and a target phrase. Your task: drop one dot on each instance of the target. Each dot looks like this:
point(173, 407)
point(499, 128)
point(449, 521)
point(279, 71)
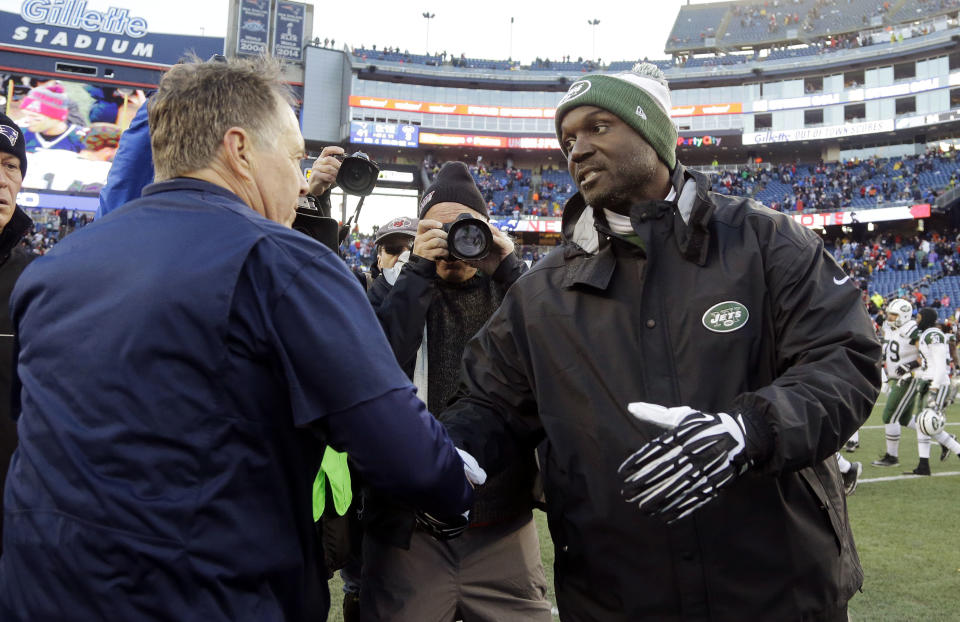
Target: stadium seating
point(397, 57)
point(695, 23)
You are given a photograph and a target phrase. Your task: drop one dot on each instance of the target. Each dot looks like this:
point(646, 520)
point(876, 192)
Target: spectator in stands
point(493, 571)
point(15, 225)
point(656, 269)
point(216, 388)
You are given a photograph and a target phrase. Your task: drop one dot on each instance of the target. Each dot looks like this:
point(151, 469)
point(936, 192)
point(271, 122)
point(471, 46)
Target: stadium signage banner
point(818, 221)
point(388, 134)
point(508, 112)
point(253, 27)
point(97, 29)
point(818, 133)
point(698, 141)
point(907, 88)
point(548, 225)
point(880, 214)
point(359, 101)
point(767, 105)
point(288, 30)
point(489, 142)
point(927, 119)
point(701, 110)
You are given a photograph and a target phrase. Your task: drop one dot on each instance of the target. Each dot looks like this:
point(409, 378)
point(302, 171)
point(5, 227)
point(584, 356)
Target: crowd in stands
point(858, 184)
point(49, 226)
point(923, 268)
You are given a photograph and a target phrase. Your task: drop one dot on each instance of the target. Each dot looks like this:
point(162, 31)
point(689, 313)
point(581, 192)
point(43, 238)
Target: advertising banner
point(508, 112)
point(99, 30)
point(253, 27)
point(288, 31)
point(489, 142)
point(879, 214)
point(818, 133)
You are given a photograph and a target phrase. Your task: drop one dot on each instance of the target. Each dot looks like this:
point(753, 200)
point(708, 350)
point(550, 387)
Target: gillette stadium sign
point(97, 29)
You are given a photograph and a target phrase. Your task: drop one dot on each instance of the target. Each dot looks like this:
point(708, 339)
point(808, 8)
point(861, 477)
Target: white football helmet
point(930, 422)
point(900, 310)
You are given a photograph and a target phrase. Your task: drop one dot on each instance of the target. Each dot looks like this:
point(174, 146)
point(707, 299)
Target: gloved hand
point(450, 527)
point(475, 474)
point(683, 468)
point(903, 371)
point(931, 401)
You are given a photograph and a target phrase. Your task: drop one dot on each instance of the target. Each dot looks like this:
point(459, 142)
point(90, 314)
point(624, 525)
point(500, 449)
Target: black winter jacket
point(733, 307)
point(13, 260)
point(402, 310)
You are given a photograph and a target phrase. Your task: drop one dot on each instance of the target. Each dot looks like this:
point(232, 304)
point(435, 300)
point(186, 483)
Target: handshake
point(447, 528)
point(683, 468)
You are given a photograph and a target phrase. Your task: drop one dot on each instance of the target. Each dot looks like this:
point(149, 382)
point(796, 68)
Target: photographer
point(493, 571)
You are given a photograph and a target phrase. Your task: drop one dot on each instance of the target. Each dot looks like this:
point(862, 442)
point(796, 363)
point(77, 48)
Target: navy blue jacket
point(183, 362)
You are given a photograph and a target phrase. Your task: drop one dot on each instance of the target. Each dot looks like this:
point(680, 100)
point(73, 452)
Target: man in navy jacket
point(184, 361)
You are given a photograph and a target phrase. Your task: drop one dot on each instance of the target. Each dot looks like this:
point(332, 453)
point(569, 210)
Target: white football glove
point(682, 469)
point(474, 472)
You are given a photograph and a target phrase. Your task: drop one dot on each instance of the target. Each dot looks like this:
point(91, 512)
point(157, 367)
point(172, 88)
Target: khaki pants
point(487, 574)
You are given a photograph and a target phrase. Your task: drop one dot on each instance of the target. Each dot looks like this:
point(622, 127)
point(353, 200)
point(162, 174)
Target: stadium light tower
point(593, 24)
point(428, 16)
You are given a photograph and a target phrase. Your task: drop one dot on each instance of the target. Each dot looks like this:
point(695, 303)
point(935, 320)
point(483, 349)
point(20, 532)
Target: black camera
point(358, 174)
point(468, 237)
point(313, 220)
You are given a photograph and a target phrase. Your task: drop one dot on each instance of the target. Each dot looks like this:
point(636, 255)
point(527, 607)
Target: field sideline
point(907, 530)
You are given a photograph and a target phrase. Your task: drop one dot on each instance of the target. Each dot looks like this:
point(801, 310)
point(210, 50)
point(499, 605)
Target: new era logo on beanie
point(12, 141)
point(640, 97)
point(453, 184)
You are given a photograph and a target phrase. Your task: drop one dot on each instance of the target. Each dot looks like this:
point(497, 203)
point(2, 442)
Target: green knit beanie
point(640, 97)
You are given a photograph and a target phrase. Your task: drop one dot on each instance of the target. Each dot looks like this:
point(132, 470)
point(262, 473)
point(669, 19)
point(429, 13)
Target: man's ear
point(237, 147)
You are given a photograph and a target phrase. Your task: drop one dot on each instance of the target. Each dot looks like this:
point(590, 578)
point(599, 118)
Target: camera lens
point(358, 175)
point(469, 238)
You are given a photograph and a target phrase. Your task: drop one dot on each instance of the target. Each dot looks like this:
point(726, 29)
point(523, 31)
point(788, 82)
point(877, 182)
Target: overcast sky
point(628, 29)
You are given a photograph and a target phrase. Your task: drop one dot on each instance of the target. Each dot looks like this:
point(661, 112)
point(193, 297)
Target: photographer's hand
point(431, 240)
point(323, 174)
point(502, 246)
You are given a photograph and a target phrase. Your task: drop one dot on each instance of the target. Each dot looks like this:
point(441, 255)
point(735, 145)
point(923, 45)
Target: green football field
point(907, 530)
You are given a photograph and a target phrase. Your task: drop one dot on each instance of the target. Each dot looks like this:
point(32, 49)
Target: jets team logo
point(726, 317)
point(11, 134)
point(577, 89)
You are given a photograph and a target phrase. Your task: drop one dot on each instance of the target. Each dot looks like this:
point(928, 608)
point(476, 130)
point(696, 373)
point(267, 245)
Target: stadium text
point(81, 42)
point(74, 14)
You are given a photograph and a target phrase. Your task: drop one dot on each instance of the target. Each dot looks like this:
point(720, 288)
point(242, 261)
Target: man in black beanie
point(14, 224)
point(437, 304)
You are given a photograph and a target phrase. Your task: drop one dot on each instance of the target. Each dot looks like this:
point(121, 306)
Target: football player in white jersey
point(900, 357)
point(933, 387)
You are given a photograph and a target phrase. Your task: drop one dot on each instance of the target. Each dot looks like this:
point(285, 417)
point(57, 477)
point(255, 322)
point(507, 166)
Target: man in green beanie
point(686, 365)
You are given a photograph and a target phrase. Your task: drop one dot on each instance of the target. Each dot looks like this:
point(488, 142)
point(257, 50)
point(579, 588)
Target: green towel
point(333, 466)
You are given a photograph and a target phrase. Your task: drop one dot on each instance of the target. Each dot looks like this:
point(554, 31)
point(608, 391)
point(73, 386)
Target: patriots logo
point(426, 199)
point(11, 134)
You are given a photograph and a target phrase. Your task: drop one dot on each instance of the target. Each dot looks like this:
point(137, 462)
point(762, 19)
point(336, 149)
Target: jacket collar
point(20, 224)
point(188, 183)
point(591, 262)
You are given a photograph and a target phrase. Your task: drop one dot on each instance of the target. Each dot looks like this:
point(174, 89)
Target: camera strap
point(345, 229)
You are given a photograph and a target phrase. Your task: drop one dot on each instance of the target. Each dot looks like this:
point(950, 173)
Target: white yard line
point(894, 478)
point(880, 427)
